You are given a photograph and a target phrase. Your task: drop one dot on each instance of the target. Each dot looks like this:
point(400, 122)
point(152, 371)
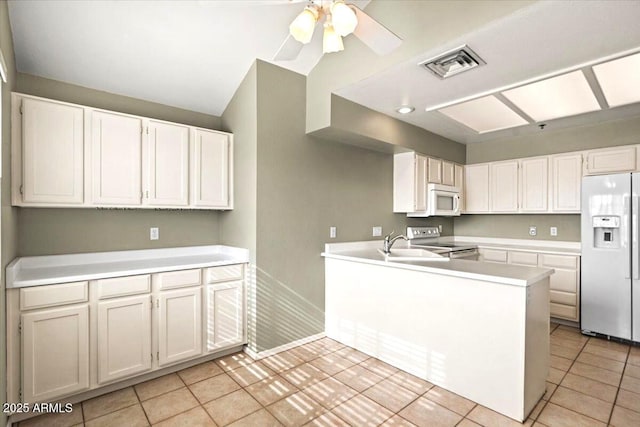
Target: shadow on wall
point(277, 314)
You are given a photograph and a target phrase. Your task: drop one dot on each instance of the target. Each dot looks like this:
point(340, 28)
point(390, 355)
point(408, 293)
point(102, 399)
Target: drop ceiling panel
point(483, 115)
point(561, 96)
point(620, 80)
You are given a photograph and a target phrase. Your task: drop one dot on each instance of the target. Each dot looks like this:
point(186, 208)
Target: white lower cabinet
point(225, 314)
point(179, 325)
point(55, 352)
point(67, 338)
point(124, 337)
point(564, 283)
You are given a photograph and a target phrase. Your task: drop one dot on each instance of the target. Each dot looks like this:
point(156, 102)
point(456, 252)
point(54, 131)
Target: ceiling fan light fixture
point(331, 42)
point(343, 17)
point(302, 27)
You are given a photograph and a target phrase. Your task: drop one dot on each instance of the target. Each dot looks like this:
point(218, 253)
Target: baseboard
point(281, 348)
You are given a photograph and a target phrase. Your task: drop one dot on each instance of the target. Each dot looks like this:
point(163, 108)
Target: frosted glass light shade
point(483, 115)
point(561, 96)
point(302, 27)
point(620, 80)
point(331, 42)
point(344, 18)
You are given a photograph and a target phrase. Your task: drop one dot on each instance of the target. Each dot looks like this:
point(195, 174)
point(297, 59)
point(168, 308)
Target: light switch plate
point(553, 231)
point(377, 231)
point(533, 230)
point(332, 232)
point(154, 233)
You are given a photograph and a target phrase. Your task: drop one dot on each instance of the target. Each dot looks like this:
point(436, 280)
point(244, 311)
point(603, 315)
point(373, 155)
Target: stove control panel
point(422, 232)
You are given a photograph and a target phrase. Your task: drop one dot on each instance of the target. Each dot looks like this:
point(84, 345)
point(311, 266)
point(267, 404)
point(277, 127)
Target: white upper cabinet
point(166, 165)
point(211, 171)
point(434, 174)
point(409, 182)
point(534, 186)
point(566, 179)
point(504, 186)
point(459, 182)
point(448, 173)
point(66, 155)
point(52, 152)
point(476, 188)
point(116, 149)
point(611, 160)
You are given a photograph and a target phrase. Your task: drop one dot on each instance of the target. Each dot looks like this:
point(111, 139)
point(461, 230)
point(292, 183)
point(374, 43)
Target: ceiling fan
point(340, 20)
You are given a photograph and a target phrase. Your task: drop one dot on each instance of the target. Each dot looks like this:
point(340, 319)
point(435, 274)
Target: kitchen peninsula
point(477, 329)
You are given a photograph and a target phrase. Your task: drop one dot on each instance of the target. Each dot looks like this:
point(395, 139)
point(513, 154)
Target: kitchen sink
point(412, 254)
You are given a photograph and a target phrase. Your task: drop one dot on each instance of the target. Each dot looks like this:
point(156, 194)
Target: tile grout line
point(613, 406)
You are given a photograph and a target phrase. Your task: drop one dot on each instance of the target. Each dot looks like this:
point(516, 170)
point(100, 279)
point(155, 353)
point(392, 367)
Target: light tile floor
point(591, 382)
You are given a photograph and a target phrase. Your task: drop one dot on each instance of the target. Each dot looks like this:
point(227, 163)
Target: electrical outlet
point(533, 230)
point(377, 231)
point(332, 232)
point(154, 233)
point(440, 228)
point(553, 231)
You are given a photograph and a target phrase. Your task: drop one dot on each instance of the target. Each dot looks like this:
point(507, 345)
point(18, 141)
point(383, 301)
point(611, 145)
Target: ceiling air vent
point(454, 62)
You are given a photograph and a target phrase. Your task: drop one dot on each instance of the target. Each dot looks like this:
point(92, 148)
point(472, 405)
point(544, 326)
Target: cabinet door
point(179, 325)
point(52, 150)
point(167, 165)
point(225, 315)
point(211, 176)
point(421, 178)
point(611, 160)
point(458, 172)
point(435, 171)
point(476, 188)
point(448, 173)
point(566, 178)
point(116, 144)
point(124, 337)
point(55, 353)
point(504, 186)
point(534, 188)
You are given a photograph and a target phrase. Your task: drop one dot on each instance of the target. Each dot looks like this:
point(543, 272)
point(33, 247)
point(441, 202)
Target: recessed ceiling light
point(561, 96)
point(620, 80)
point(405, 109)
point(485, 114)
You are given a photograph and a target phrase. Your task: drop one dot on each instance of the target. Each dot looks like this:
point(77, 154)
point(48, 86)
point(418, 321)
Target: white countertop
point(508, 274)
point(540, 246)
point(51, 269)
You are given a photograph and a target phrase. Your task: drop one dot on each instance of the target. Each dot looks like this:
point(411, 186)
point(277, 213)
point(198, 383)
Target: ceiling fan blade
point(289, 49)
point(374, 34)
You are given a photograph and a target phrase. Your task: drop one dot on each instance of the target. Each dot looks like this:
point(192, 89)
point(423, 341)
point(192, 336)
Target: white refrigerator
point(610, 270)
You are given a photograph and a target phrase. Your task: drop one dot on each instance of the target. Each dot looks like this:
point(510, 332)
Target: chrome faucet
point(388, 241)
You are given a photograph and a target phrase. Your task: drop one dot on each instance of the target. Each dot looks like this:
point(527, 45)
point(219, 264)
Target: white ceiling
point(194, 54)
point(188, 54)
point(539, 40)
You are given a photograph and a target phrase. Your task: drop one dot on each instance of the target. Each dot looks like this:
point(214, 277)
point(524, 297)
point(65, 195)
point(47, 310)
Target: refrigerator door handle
point(635, 259)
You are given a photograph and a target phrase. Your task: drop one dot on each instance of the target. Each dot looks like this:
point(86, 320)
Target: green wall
point(290, 188)
point(57, 231)
point(607, 134)
point(8, 217)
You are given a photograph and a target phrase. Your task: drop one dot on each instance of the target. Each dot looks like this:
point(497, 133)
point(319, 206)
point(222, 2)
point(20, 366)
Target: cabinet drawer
point(523, 258)
point(564, 280)
point(121, 286)
point(178, 279)
point(53, 295)
point(494, 255)
point(224, 273)
point(564, 311)
point(559, 261)
point(566, 298)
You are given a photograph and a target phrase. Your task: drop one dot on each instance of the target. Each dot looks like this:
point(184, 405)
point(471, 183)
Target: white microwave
point(442, 200)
